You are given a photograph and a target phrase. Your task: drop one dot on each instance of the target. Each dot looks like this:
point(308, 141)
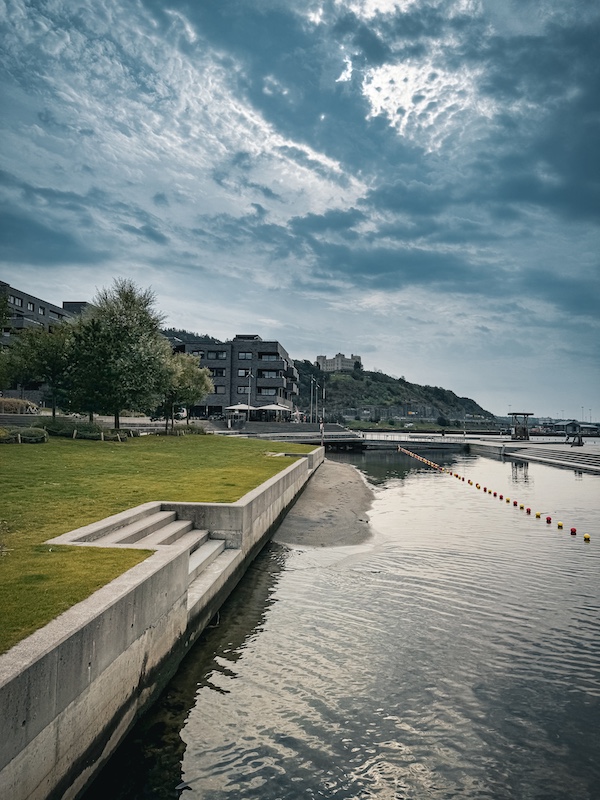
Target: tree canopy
point(120, 359)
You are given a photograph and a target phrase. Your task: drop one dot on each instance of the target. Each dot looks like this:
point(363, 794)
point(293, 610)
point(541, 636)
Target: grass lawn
point(49, 489)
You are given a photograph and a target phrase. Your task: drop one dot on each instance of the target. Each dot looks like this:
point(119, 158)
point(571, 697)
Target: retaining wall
point(70, 692)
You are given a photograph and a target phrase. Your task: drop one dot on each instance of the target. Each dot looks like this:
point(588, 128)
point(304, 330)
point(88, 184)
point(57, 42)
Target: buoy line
point(521, 506)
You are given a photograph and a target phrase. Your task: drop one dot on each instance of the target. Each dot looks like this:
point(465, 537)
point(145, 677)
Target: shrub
point(116, 436)
point(14, 405)
point(7, 437)
point(28, 435)
point(67, 427)
point(86, 434)
point(197, 429)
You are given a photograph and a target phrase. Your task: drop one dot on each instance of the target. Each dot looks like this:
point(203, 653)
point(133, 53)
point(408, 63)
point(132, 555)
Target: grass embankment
point(51, 488)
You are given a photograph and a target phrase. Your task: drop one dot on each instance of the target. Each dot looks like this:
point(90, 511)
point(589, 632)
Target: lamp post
point(312, 383)
point(250, 376)
point(317, 387)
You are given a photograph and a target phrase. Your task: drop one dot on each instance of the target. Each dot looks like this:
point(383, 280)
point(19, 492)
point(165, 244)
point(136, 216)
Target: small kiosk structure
point(519, 429)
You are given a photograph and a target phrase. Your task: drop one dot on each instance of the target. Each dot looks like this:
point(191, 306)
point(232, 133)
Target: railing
point(379, 436)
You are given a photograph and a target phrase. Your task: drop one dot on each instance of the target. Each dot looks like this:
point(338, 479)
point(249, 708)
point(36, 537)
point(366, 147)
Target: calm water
point(456, 654)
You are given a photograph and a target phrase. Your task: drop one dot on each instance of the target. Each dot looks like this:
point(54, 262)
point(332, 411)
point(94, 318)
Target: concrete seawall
point(70, 692)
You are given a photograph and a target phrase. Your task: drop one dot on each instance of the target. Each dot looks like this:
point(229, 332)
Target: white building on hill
point(339, 363)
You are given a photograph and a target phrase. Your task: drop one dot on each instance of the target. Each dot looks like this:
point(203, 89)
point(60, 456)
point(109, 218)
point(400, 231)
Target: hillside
point(188, 336)
point(383, 396)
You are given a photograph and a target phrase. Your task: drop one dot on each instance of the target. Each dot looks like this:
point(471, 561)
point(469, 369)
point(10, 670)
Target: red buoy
point(573, 531)
point(548, 520)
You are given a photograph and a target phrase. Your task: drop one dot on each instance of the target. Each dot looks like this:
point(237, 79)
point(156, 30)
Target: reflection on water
point(454, 655)
point(520, 471)
point(149, 763)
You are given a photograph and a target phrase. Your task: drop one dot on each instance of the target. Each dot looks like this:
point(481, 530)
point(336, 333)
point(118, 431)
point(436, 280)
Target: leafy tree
point(187, 385)
point(4, 310)
point(120, 359)
point(5, 368)
point(41, 356)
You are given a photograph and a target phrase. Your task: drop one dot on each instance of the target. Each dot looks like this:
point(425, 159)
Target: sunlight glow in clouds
point(423, 103)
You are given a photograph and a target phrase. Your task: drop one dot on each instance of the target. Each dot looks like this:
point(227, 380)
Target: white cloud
point(368, 9)
point(425, 103)
point(347, 73)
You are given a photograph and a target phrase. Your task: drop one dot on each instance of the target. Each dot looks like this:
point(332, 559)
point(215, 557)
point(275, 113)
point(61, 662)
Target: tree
point(41, 356)
point(120, 359)
point(4, 310)
point(5, 368)
point(188, 384)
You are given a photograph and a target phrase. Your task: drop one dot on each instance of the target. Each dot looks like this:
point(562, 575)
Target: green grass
point(49, 489)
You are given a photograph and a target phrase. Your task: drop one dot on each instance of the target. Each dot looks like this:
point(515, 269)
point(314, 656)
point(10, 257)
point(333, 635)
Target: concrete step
point(214, 576)
point(138, 530)
point(172, 532)
point(572, 456)
point(204, 555)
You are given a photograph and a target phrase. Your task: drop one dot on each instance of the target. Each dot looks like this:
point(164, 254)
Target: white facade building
point(339, 363)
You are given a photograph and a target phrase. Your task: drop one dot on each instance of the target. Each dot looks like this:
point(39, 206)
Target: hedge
point(23, 435)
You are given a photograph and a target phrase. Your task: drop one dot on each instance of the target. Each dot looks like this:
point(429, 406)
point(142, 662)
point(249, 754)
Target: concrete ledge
point(70, 692)
point(95, 530)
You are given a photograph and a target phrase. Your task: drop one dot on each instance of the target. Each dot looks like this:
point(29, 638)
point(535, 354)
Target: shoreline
point(331, 511)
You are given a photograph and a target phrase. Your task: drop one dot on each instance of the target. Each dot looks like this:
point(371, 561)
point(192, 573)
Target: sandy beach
point(331, 511)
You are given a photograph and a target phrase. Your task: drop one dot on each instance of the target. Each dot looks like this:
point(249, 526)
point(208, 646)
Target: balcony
point(270, 383)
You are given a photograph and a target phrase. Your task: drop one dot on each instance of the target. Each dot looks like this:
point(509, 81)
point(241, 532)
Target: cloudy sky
point(413, 181)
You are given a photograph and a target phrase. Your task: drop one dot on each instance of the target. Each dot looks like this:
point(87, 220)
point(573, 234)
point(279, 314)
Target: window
point(18, 301)
point(213, 355)
point(217, 372)
point(243, 373)
point(243, 390)
point(268, 357)
point(245, 356)
point(30, 307)
point(268, 373)
point(41, 311)
point(198, 353)
point(267, 392)
point(54, 315)
point(219, 390)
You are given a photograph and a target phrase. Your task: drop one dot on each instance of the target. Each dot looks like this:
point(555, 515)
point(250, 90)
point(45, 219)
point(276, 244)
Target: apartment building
point(246, 371)
point(27, 311)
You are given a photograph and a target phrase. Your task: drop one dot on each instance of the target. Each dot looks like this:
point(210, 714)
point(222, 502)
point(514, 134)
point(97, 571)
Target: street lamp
point(312, 383)
point(317, 387)
point(250, 376)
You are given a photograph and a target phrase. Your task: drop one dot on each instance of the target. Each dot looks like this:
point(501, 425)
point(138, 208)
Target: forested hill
point(375, 391)
point(189, 336)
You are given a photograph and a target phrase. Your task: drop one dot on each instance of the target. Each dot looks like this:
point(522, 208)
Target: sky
point(413, 181)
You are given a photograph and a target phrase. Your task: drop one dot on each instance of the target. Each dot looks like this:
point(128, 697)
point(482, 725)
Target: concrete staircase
point(576, 457)
point(155, 530)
